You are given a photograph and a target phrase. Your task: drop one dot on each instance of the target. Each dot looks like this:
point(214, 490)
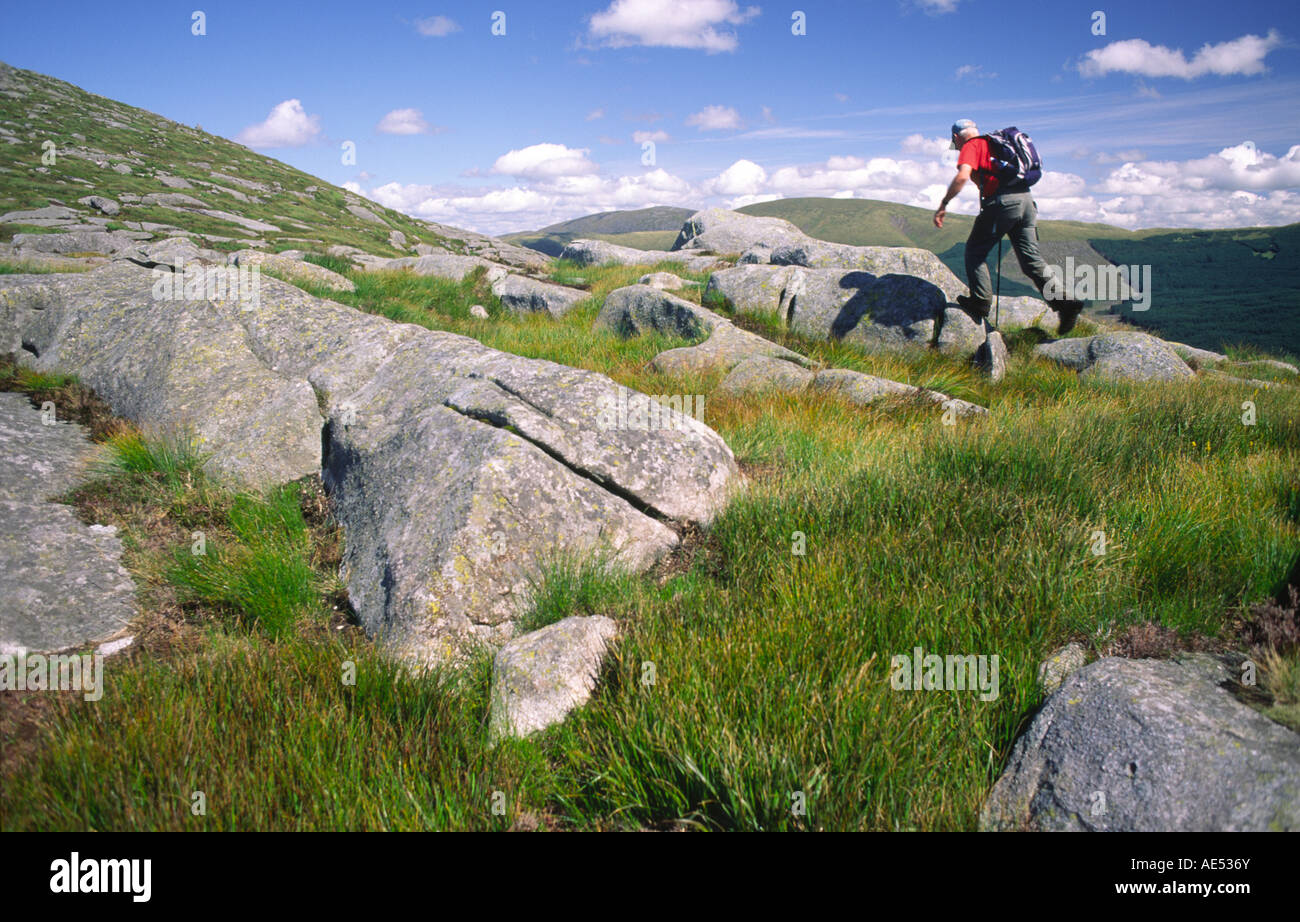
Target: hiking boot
point(1067, 313)
point(976, 309)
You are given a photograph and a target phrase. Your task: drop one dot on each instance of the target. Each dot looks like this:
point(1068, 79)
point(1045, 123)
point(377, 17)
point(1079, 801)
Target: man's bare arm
point(958, 183)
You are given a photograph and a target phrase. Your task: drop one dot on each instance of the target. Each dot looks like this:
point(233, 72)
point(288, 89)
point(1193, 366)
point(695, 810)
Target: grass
point(747, 672)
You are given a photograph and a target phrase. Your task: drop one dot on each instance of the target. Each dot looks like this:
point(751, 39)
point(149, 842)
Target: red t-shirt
point(976, 153)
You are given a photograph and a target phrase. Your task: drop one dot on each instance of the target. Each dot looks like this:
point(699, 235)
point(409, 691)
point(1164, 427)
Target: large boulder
point(637, 309)
point(167, 363)
point(539, 677)
point(525, 295)
point(457, 471)
point(1148, 745)
point(865, 310)
point(722, 232)
point(1127, 356)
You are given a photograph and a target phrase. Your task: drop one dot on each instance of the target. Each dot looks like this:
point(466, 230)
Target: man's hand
point(939, 215)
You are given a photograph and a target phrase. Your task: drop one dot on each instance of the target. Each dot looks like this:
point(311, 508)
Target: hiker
point(1006, 208)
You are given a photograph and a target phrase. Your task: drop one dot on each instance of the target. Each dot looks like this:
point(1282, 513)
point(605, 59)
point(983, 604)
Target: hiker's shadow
point(890, 300)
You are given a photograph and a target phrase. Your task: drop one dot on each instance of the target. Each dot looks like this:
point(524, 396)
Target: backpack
point(1015, 159)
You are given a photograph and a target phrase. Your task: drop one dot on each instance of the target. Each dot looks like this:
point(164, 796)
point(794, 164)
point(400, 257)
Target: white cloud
point(640, 137)
point(768, 116)
point(436, 26)
point(698, 24)
point(920, 144)
point(716, 118)
point(937, 7)
point(973, 73)
point(1119, 156)
point(841, 97)
point(288, 125)
point(545, 161)
point(1243, 55)
point(354, 187)
point(404, 121)
point(595, 114)
point(744, 177)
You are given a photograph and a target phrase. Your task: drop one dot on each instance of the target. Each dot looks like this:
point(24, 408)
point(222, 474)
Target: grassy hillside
point(108, 148)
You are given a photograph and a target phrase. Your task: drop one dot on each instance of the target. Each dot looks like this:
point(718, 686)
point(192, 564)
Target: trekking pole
point(997, 316)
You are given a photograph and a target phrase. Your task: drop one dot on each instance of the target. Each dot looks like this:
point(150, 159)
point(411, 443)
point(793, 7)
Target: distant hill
point(1210, 288)
point(646, 229)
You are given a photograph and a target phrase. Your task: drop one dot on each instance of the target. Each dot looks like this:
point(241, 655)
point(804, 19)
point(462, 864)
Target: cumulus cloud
point(715, 118)
point(354, 187)
point(1243, 56)
point(920, 144)
point(697, 24)
point(404, 121)
point(288, 125)
point(744, 177)
point(436, 26)
point(545, 161)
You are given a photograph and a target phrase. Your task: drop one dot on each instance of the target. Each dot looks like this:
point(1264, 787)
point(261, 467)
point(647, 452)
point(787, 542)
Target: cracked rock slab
point(62, 581)
point(1149, 745)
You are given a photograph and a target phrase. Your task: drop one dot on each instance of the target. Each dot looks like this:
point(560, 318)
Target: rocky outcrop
point(638, 309)
point(601, 252)
point(175, 365)
point(490, 248)
point(865, 390)
point(541, 676)
point(447, 266)
point(1147, 745)
point(62, 582)
point(293, 269)
point(96, 241)
point(873, 312)
point(457, 471)
point(761, 373)
point(753, 364)
point(101, 204)
point(722, 232)
point(1119, 355)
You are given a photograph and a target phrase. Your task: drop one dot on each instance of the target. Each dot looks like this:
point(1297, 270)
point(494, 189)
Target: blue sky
point(1181, 114)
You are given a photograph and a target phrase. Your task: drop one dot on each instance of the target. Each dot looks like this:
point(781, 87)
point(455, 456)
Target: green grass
point(770, 668)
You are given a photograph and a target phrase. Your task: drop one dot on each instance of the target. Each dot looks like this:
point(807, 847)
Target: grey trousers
point(1014, 215)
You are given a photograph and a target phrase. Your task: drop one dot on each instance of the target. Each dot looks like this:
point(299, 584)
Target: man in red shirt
point(1004, 211)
